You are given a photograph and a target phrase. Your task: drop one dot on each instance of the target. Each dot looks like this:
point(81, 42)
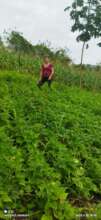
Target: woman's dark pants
point(44, 80)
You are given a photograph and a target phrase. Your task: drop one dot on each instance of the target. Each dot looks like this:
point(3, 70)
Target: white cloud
point(42, 20)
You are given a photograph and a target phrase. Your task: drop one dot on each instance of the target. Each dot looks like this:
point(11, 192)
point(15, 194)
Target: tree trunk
point(82, 54)
point(19, 60)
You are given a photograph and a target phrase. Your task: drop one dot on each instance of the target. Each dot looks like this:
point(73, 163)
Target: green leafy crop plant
point(50, 147)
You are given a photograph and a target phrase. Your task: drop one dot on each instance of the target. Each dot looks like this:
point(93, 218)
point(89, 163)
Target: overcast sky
point(42, 20)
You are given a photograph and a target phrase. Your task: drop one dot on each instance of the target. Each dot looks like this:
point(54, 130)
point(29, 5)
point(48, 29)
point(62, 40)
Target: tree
point(17, 42)
point(86, 16)
point(98, 21)
point(43, 49)
point(62, 55)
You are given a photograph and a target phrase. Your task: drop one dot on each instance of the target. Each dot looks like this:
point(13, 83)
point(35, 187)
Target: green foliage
point(1, 43)
point(17, 42)
point(87, 19)
point(71, 75)
point(49, 147)
point(43, 50)
point(21, 55)
point(86, 77)
point(24, 63)
point(86, 16)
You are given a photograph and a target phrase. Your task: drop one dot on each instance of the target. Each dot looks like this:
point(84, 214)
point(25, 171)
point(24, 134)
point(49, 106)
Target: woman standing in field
point(46, 73)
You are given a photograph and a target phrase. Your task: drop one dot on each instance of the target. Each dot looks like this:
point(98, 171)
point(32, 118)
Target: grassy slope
point(50, 137)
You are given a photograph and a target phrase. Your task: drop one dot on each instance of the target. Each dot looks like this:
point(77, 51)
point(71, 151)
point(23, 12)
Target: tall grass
point(89, 78)
point(77, 76)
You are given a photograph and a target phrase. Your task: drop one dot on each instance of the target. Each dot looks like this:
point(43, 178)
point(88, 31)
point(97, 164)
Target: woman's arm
point(50, 77)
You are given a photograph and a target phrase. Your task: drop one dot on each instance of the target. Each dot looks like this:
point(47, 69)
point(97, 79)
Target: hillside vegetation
point(50, 141)
point(50, 147)
point(20, 55)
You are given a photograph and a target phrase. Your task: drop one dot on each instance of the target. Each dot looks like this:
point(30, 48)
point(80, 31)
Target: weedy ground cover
point(50, 147)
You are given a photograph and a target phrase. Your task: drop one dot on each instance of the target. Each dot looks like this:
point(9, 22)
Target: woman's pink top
point(47, 71)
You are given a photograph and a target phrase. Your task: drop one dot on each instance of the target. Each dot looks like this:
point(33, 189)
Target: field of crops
point(50, 147)
point(89, 78)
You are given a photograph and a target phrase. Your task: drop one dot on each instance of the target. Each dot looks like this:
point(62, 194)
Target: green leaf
point(46, 217)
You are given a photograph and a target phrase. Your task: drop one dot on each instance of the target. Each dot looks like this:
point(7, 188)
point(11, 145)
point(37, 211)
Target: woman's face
point(46, 60)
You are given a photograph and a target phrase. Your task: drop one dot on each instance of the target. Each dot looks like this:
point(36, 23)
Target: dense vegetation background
point(50, 141)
